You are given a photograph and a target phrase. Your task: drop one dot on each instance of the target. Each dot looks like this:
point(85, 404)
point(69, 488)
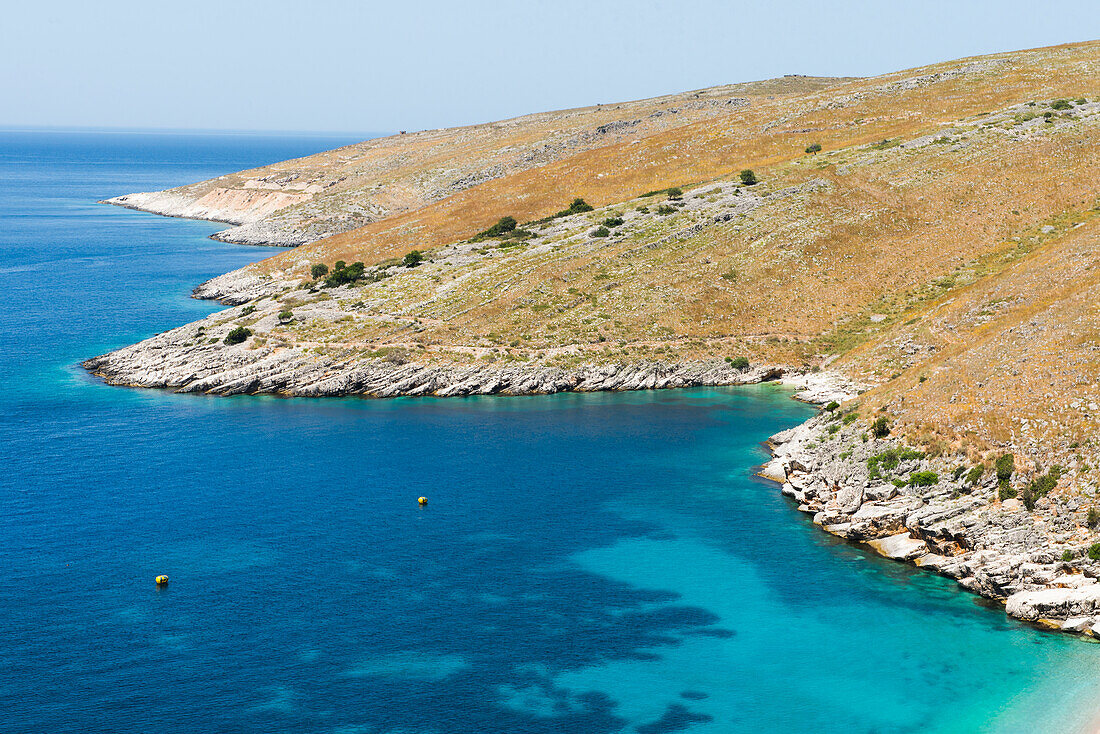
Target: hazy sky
point(370, 66)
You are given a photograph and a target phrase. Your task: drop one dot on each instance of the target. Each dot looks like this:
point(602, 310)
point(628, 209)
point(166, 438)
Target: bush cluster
point(503, 226)
point(890, 459)
point(923, 479)
point(738, 363)
point(880, 428)
point(318, 270)
point(1005, 465)
point(578, 206)
point(238, 335)
point(343, 274)
point(1040, 486)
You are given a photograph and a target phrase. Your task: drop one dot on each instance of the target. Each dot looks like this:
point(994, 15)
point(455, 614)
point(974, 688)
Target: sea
point(585, 563)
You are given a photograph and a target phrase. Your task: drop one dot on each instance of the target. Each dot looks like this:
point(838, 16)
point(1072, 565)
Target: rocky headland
point(945, 515)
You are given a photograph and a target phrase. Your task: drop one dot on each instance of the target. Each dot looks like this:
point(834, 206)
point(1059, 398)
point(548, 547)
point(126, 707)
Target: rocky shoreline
point(879, 492)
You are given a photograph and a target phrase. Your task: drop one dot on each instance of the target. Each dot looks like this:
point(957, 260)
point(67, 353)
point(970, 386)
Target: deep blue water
point(587, 563)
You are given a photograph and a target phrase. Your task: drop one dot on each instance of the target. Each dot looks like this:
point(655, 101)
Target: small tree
point(748, 177)
point(318, 270)
point(238, 335)
point(880, 428)
point(675, 193)
point(833, 405)
point(813, 148)
point(412, 259)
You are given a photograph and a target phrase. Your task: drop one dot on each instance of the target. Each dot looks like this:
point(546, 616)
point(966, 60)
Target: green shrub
point(601, 231)
point(578, 206)
point(1067, 556)
point(923, 479)
point(248, 310)
point(285, 316)
point(833, 405)
point(880, 428)
point(1094, 551)
point(412, 259)
point(318, 270)
point(850, 418)
point(1093, 518)
point(665, 209)
point(1005, 492)
point(612, 221)
point(748, 177)
point(1080, 101)
point(813, 148)
point(958, 472)
point(1040, 486)
point(1005, 465)
point(643, 209)
point(739, 363)
point(974, 475)
point(1061, 104)
point(238, 335)
point(503, 226)
point(675, 193)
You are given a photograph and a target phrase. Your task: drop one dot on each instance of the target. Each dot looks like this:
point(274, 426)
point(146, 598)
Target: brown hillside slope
point(755, 136)
point(301, 200)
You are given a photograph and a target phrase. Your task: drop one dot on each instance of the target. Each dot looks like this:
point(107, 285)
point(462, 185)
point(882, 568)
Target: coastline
point(997, 550)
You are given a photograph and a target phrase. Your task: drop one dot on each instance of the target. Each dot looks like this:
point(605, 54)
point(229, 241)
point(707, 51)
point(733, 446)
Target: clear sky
point(372, 66)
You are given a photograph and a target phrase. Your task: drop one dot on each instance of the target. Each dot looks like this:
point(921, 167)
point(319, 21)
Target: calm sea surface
point(587, 563)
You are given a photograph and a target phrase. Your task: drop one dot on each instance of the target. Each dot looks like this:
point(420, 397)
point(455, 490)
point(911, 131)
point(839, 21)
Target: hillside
point(939, 252)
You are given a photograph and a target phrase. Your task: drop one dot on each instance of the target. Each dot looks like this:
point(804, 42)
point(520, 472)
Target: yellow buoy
point(162, 580)
point(422, 500)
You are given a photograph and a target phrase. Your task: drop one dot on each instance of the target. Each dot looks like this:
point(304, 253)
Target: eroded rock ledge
point(212, 368)
point(996, 549)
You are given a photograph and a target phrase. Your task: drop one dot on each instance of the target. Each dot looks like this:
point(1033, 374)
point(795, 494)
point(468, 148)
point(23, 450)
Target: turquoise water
point(587, 563)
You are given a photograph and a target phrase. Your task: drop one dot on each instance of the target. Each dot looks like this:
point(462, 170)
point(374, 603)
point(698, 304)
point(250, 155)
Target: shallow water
point(590, 563)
